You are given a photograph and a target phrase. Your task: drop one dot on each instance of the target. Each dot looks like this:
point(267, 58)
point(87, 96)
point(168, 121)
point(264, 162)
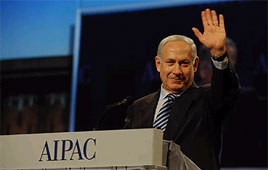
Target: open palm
point(214, 35)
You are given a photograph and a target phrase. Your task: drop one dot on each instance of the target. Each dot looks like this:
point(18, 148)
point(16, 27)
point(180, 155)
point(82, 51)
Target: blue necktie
point(164, 113)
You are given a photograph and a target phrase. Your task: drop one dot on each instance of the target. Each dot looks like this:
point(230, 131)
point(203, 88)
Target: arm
point(225, 87)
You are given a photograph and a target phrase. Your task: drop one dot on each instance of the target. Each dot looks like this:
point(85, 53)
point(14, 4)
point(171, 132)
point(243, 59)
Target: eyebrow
point(181, 61)
point(185, 60)
point(170, 59)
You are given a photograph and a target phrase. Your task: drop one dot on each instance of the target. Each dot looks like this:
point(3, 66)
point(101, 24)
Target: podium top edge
point(85, 132)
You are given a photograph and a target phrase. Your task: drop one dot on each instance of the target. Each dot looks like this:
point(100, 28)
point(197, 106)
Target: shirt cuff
point(221, 65)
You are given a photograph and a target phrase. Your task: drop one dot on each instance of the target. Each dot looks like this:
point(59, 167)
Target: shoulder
point(147, 98)
point(196, 93)
point(199, 89)
point(205, 86)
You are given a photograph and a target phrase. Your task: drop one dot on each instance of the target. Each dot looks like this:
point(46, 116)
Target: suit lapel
point(178, 113)
point(148, 110)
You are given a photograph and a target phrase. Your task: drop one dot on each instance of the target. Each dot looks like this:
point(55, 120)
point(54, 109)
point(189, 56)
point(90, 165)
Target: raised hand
point(214, 35)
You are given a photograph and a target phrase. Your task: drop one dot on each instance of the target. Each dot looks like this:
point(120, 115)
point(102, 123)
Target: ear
point(196, 64)
point(157, 63)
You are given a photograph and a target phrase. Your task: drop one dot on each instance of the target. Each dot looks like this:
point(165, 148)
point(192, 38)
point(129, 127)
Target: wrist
point(218, 53)
point(223, 57)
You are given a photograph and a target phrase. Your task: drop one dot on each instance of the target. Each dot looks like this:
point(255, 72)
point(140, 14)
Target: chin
point(177, 88)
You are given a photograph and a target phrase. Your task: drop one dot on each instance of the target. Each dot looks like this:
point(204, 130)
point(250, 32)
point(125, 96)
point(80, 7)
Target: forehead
point(177, 48)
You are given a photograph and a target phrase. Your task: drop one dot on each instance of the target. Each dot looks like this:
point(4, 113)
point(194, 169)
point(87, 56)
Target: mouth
point(178, 80)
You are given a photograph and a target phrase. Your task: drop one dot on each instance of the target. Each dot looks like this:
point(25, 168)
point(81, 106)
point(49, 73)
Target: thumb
point(197, 33)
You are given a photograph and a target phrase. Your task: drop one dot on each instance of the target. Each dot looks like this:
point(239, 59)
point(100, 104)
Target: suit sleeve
point(225, 89)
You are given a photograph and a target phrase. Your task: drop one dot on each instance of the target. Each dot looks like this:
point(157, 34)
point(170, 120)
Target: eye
point(185, 63)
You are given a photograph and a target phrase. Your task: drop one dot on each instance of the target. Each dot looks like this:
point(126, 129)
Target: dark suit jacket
point(196, 119)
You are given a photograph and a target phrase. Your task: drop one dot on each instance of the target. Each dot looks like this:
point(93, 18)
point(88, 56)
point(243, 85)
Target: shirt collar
point(164, 93)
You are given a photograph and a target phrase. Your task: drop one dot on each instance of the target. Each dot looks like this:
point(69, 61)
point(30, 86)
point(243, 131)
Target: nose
point(177, 69)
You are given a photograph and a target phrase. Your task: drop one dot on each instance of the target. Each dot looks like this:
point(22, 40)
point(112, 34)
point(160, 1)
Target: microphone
point(128, 101)
point(114, 114)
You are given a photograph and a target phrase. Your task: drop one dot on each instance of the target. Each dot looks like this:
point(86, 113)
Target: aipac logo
point(61, 150)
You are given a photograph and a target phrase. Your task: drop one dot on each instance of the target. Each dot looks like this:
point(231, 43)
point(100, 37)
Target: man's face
point(176, 66)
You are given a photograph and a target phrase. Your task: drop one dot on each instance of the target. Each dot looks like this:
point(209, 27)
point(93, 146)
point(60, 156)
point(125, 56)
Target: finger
point(208, 16)
point(214, 17)
point(204, 20)
point(197, 33)
point(221, 21)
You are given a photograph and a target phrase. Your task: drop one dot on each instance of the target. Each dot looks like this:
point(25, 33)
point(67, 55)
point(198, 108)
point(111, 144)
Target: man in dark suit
point(195, 114)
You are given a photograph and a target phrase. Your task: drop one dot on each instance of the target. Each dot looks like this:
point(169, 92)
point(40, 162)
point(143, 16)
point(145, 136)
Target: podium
point(135, 149)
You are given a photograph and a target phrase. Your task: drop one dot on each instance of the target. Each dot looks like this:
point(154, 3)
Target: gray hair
point(188, 40)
